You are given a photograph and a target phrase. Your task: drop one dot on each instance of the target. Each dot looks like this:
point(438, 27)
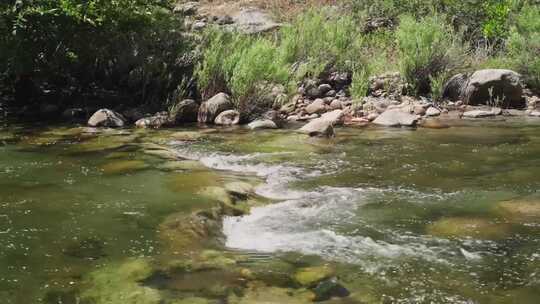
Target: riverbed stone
point(241, 189)
point(520, 210)
point(396, 118)
point(479, 114)
point(468, 227)
point(487, 86)
point(311, 276)
point(316, 107)
point(106, 118)
point(318, 127)
point(228, 118)
point(119, 283)
point(335, 117)
point(183, 234)
point(262, 124)
point(432, 111)
point(259, 293)
point(210, 109)
point(156, 121)
point(123, 166)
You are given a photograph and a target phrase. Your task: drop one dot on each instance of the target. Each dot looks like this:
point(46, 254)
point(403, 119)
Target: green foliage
point(238, 64)
point(315, 41)
point(318, 40)
point(427, 48)
point(524, 45)
point(129, 46)
point(360, 82)
point(495, 25)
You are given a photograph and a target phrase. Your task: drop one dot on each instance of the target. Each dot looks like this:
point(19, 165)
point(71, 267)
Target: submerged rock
point(119, 283)
point(460, 227)
point(123, 166)
point(520, 210)
point(187, 234)
point(259, 293)
point(106, 118)
point(311, 276)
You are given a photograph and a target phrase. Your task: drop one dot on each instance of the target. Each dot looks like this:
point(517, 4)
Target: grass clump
point(427, 48)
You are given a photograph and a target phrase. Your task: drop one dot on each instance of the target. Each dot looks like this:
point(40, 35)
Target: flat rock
point(479, 114)
point(335, 117)
point(396, 118)
point(317, 106)
point(262, 124)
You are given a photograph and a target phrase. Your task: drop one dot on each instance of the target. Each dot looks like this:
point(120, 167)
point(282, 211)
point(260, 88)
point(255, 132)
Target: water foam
point(308, 221)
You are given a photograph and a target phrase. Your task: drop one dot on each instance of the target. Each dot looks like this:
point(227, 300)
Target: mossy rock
point(123, 166)
point(310, 276)
point(193, 181)
point(186, 136)
point(463, 227)
point(519, 210)
point(229, 205)
point(119, 284)
point(182, 165)
point(101, 143)
point(182, 234)
point(240, 189)
point(259, 293)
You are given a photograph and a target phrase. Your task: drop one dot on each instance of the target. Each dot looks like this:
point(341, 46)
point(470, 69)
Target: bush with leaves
point(524, 45)
point(132, 47)
point(427, 49)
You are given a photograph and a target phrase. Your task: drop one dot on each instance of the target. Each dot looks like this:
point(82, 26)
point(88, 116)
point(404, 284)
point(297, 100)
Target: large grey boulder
point(210, 109)
point(490, 86)
point(396, 118)
point(318, 127)
point(228, 118)
point(106, 118)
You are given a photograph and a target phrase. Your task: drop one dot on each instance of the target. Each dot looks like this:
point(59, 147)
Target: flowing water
point(400, 215)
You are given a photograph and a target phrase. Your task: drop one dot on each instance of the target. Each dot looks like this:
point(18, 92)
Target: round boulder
point(210, 109)
point(228, 118)
point(106, 118)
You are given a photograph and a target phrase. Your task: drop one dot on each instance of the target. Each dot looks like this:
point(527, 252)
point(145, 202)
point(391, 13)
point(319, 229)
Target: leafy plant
point(427, 48)
point(524, 45)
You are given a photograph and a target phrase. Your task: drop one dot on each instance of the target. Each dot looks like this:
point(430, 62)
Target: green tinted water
point(401, 216)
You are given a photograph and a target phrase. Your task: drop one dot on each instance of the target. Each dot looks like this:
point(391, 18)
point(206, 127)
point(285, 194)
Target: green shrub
point(318, 40)
point(135, 48)
point(427, 48)
point(524, 45)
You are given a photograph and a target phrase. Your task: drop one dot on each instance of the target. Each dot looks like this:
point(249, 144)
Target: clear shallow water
point(377, 204)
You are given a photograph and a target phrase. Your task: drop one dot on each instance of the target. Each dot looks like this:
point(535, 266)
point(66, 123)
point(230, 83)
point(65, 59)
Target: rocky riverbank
point(324, 103)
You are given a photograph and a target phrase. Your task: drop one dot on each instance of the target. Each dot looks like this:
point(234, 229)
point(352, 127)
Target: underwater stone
point(310, 276)
point(119, 284)
point(123, 166)
point(521, 210)
point(460, 227)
